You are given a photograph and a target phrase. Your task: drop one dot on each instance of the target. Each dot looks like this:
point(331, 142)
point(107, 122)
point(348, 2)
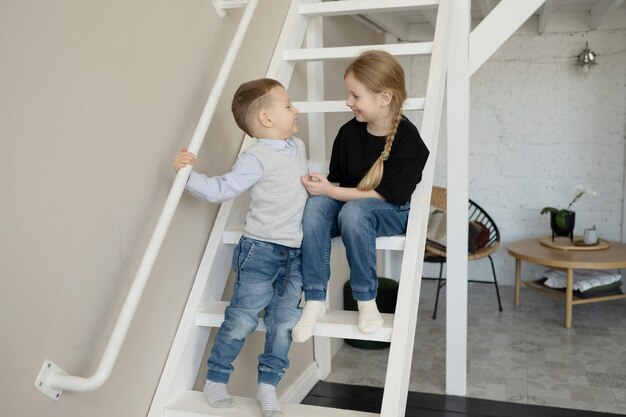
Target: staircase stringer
point(405, 318)
point(291, 37)
point(498, 26)
point(187, 350)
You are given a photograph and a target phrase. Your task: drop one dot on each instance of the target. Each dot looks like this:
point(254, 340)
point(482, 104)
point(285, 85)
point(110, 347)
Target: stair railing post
point(458, 157)
point(405, 317)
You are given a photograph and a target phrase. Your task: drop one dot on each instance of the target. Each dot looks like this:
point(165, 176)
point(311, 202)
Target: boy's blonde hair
point(249, 99)
point(379, 71)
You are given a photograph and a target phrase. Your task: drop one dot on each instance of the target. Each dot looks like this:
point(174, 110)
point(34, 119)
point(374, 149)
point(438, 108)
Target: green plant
point(560, 214)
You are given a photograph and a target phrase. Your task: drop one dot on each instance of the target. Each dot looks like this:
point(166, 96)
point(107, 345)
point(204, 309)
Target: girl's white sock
point(370, 319)
point(266, 395)
point(303, 330)
point(217, 396)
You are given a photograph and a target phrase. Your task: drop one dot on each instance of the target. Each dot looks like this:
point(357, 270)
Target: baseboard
point(302, 386)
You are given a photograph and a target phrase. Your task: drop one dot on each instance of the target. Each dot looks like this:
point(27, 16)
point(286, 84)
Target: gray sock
point(217, 396)
point(266, 395)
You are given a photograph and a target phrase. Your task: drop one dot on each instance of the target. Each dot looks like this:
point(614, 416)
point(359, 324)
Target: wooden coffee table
point(531, 250)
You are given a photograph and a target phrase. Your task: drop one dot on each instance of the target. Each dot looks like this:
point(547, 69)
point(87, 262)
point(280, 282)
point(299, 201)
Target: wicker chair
point(434, 254)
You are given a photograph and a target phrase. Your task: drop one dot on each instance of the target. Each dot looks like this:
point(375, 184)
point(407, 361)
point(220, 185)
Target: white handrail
point(52, 380)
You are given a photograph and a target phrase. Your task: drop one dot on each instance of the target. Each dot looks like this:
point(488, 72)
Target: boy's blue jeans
point(359, 223)
point(269, 278)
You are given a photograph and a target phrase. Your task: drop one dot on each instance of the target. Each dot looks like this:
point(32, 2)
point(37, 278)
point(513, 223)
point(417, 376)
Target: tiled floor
point(522, 355)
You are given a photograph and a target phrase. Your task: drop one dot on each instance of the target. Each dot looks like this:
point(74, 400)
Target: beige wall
point(96, 99)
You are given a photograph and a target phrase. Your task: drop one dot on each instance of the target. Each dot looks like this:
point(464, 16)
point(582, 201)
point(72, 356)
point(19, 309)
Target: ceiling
point(594, 12)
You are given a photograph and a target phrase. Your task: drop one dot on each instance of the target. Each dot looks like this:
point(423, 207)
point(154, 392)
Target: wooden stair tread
point(351, 52)
point(193, 404)
point(338, 106)
point(335, 323)
point(232, 235)
point(339, 8)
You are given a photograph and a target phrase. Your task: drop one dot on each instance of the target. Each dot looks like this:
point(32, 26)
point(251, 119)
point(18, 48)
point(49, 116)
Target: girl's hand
point(183, 158)
point(317, 184)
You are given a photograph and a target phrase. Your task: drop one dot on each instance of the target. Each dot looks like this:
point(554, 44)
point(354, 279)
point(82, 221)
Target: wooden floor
point(368, 399)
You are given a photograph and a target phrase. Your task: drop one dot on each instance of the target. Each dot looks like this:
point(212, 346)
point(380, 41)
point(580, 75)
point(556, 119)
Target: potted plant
point(562, 221)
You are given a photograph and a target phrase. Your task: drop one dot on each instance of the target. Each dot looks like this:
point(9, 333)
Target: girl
point(377, 161)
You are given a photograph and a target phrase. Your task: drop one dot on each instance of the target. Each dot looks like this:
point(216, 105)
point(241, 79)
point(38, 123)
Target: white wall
point(538, 129)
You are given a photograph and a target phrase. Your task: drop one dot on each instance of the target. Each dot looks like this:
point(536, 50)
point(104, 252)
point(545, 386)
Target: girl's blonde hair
point(379, 71)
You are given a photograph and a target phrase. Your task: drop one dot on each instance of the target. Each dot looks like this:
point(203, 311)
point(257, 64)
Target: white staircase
point(204, 310)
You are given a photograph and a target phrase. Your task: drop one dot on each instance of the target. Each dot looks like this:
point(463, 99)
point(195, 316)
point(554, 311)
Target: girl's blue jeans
point(269, 279)
point(359, 223)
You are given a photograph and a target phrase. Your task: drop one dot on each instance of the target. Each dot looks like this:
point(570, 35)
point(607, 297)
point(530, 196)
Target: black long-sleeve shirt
point(355, 150)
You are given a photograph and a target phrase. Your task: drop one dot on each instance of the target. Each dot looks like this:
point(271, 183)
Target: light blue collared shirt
point(245, 172)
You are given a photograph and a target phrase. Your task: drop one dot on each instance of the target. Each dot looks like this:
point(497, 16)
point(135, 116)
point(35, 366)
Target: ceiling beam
point(377, 29)
point(431, 16)
point(486, 6)
point(544, 15)
point(601, 11)
point(497, 27)
point(393, 25)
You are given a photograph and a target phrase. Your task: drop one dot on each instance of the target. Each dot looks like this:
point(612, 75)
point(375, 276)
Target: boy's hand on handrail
point(183, 158)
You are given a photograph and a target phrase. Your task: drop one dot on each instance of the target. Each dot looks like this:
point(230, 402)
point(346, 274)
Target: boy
point(267, 259)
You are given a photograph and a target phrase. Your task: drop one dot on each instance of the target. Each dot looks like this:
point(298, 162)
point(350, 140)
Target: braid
point(374, 176)
point(392, 134)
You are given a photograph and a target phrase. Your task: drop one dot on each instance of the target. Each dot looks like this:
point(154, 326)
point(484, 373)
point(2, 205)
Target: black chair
point(436, 254)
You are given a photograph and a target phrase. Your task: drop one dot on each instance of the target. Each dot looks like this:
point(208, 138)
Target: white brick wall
point(538, 129)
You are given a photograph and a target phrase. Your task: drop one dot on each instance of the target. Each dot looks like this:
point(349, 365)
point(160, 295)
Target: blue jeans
point(269, 277)
point(359, 223)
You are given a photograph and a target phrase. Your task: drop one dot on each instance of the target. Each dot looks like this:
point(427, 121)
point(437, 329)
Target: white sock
point(217, 396)
point(266, 395)
point(370, 319)
point(303, 330)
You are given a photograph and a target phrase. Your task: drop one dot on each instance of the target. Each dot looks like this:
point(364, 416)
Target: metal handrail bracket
point(52, 379)
point(221, 6)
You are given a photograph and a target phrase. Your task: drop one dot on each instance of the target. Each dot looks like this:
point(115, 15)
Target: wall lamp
point(586, 59)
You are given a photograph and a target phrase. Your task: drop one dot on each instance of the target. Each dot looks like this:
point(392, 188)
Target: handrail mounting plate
point(41, 383)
